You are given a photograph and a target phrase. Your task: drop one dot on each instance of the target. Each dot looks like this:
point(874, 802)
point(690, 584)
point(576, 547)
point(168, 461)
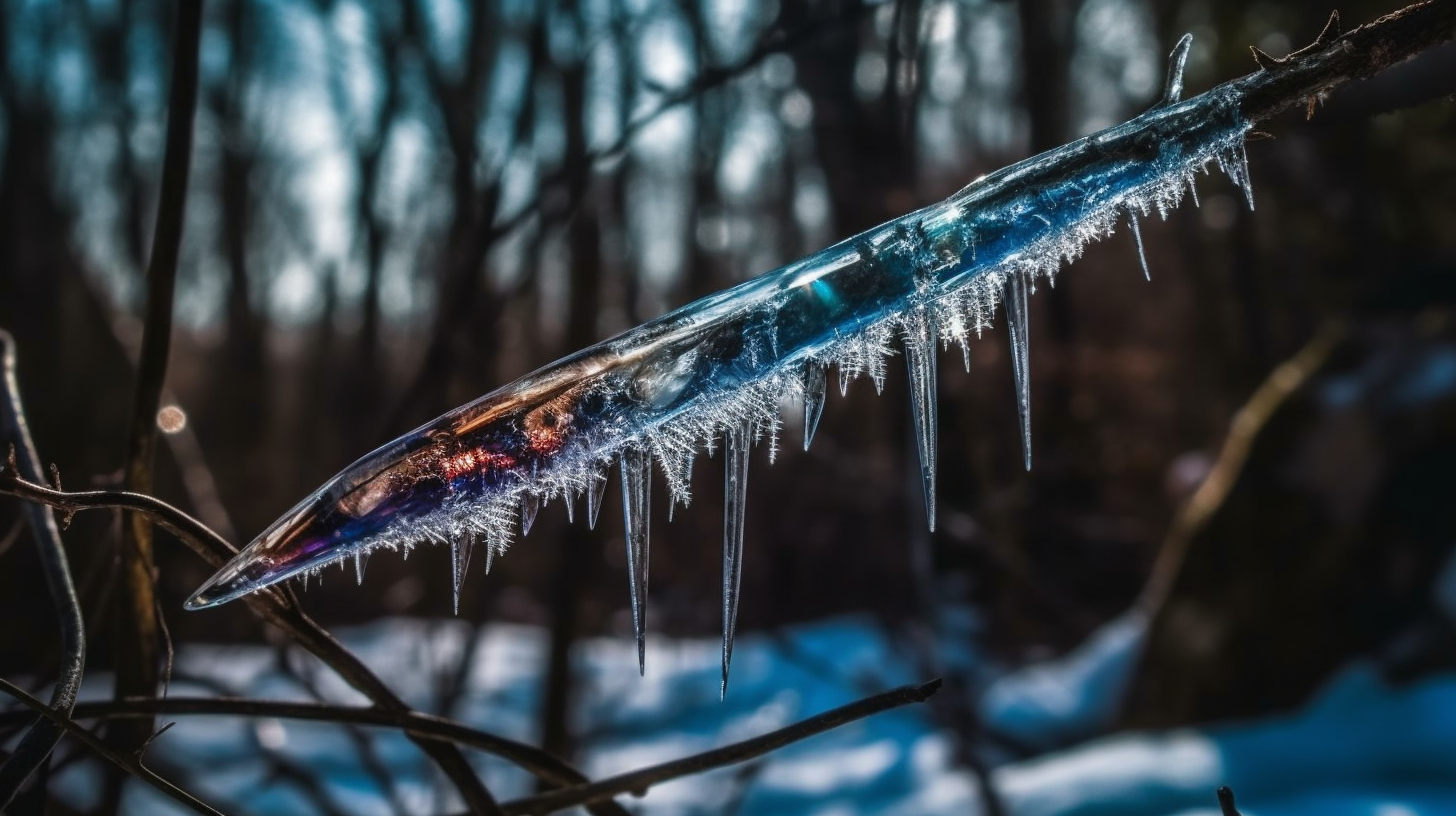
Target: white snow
point(1360, 748)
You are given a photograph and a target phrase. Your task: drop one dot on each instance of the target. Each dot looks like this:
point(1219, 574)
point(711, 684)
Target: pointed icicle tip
point(815, 386)
point(920, 347)
point(1137, 237)
point(360, 559)
point(737, 444)
point(1019, 330)
point(1177, 59)
point(636, 467)
point(595, 492)
point(530, 506)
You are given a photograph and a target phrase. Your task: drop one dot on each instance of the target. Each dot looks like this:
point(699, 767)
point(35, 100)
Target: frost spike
point(1245, 180)
point(360, 558)
point(1173, 86)
point(636, 505)
point(1137, 237)
point(815, 384)
point(1020, 331)
point(459, 560)
point(843, 380)
point(595, 492)
point(920, 348)
point(530, 506)
point(738, 443)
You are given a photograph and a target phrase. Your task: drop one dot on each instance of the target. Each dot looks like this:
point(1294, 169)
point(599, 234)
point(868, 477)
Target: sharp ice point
point(359, 559)
point(1137, 237)
point(530, 506)
point(843, 381)
point(737, 445)
point(814, 387)
point(1020, 332)
point(920, 348)
point(636, 467)
point(1173, 86)
point(596, 490)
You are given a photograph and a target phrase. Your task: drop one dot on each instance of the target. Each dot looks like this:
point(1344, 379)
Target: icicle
point(920, 348)
point(636, 505)
point(1193, 191)
point(359, 558)
point(735, 491)
point(530, 506)
point(305, 579)
point(1245, 180)
point(569, 499)
point(595, 492)
point(1137, 237)
point(489, 556)
point(1173, 86)
point(459, 558)
point(1020, 331)
point(844, 379)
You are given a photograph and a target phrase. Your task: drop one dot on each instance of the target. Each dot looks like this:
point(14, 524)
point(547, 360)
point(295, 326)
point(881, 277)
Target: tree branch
point(637, 782)
point(539, 763)
point(276, 605)
point(131, 764)
point(137, 625)
point(42, 737)
point(1334, 59)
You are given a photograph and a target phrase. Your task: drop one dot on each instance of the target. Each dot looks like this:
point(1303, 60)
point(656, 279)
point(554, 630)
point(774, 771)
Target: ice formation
point(720, 367)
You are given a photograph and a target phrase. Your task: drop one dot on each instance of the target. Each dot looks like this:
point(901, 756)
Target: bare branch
point(137, 627)
point(130, 763)
point(42, 737)
point(637, 782)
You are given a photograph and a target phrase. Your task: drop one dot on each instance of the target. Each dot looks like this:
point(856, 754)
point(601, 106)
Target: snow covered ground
point(1360, 748)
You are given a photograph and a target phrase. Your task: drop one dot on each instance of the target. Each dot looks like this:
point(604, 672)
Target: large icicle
point(737, 446)
point(815, 385)
point(1018, 328)
point(637, 511)
point(920, 348)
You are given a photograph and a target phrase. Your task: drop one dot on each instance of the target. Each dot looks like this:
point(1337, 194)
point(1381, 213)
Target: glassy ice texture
point(664, 391)
point(737, 446)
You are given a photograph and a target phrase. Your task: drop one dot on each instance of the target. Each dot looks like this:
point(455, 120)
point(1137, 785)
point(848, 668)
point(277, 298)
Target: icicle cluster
point(719, 369)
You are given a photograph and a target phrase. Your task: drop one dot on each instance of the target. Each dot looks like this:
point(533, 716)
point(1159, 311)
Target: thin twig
point(275, 605)
point(137, 625)
point(40, 740)
point(539, 763)
point(637, 782)
point(1226, 802)
point(130, 763)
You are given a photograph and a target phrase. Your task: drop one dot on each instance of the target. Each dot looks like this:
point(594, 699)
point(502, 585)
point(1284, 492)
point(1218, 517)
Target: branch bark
point(41, 738)
point(137, 626)
point(637, 782)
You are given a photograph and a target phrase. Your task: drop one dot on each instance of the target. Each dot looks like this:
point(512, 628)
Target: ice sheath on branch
point(719, 368)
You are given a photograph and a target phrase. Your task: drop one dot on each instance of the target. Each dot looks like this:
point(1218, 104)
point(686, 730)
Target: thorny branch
point(42, 737)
